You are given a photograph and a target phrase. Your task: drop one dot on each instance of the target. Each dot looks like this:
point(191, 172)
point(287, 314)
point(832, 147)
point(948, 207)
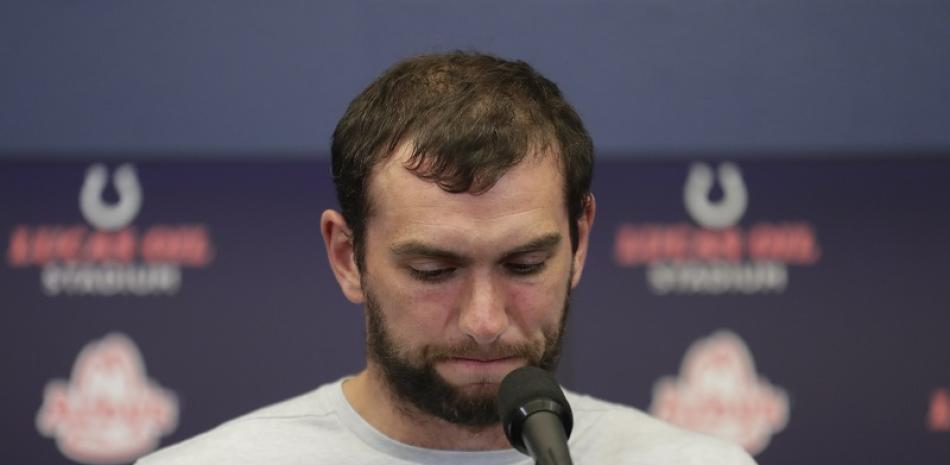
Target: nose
point(483, 315)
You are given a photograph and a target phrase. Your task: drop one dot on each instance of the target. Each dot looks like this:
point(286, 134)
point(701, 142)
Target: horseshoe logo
point(118, 215)
point(727, 211)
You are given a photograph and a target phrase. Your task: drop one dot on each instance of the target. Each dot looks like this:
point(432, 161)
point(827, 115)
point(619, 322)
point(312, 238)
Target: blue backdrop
point(817, 320)
point(802, 313)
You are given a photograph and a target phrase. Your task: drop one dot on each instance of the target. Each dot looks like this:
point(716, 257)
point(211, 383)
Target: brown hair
point(470, 117)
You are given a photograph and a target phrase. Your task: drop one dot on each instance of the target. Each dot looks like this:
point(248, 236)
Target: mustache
point(472, 350)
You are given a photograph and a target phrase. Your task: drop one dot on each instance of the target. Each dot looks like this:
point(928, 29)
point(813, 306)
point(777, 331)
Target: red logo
point(109, 412)
point(939, 417)
point(718, 392)
point(110, 256)
point(718, 256)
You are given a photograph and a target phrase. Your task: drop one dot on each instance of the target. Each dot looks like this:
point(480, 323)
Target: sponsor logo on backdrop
point(110, 412)
point(718, 255)
point(719, 392)
point(110, 255)
point(938, 418)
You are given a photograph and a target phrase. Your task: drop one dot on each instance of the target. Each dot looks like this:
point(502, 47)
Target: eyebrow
point(544, 243)
point(414, 248)
point(419, 249)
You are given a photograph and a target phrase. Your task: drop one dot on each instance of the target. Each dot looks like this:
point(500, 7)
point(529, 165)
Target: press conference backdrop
point(769, 262)
point(799, 308)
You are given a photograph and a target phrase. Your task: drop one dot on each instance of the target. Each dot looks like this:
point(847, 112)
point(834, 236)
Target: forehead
point(527, 199)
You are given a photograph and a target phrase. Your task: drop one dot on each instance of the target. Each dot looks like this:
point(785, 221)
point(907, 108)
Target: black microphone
point(535, 415)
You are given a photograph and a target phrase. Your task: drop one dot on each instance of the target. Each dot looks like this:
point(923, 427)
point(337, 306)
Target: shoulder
point(615, 433)
point(257, 437)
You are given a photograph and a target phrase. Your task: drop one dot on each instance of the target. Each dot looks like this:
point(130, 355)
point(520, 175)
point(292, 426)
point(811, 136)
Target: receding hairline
point(537, 153)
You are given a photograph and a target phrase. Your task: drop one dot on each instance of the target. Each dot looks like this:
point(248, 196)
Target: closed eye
point(525, 269)
point(432, 275)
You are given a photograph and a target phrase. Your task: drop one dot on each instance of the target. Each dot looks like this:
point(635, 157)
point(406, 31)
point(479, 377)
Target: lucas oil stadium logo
point(718, 392)
point(718, 255)
point(110, 412)
point(110, 254)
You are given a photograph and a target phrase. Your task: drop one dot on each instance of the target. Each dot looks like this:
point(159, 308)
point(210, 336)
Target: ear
point(339, 241)
point(584, 225)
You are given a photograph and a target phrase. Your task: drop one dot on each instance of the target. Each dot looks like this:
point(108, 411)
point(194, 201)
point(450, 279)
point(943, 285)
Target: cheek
point(540, 305)
point(419, 312)
point(537, 307)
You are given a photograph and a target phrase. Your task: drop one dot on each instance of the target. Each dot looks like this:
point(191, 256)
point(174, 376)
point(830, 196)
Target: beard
point(414, 380)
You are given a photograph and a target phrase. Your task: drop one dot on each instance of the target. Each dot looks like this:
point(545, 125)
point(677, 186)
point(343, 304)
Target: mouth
point(476, 370)
point(482, 359)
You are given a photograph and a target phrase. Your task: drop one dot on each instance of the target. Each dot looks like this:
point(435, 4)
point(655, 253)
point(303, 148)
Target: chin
point(479, 390)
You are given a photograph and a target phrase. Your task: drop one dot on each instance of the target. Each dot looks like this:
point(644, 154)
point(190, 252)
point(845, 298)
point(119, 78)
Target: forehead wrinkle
point(450, 218)
point(465, 253)
point(458, 229)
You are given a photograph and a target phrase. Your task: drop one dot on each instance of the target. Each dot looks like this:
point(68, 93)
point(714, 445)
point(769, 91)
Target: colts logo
point(717, 255)
point(110, 217)
point(111, 255)
point(109, 412)
point(719, 393)
point(725, 213)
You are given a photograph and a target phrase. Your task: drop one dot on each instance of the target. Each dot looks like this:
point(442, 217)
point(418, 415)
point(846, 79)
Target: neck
point(370, 396)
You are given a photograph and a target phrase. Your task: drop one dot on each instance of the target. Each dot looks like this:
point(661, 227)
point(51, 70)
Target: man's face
point(461, 289)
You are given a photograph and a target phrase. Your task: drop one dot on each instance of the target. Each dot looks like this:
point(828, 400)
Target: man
point(463, 181)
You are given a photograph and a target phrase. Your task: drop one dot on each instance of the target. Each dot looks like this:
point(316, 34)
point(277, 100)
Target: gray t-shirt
point(321, 427)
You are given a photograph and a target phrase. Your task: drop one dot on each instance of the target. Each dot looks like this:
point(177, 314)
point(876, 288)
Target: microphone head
point(525, 391)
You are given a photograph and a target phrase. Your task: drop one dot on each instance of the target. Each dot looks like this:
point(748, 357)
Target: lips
point(463, 370)
point(482, 360)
